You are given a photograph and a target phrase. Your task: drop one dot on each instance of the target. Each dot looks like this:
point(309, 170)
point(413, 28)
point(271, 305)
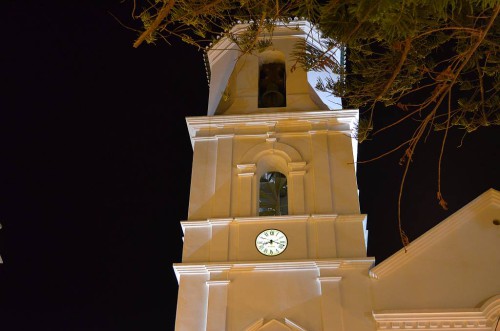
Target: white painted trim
point(265, 219)
point(210, 127)
point(285, 218)
point(347, 116)
point(339, 218)
point(482, 318)
point(204, 223)
point(254, 266)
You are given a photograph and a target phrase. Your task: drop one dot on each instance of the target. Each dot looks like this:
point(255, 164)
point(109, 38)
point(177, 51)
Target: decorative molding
point(476, 319)
point(457, 219)
point(217, 268)
point(332, 264)
point(346, 263)
point(296, 166)
point(287, 152)
point(292, 265)
point(204, 223)
point(357, 264)
point(219, 221)
point(202, 127)
point(205, 138)
point(491, 308)
point(275, 266)
point(256, 125)
point(246, 169)
point(434, 325)
point(297, 173)
point(185, 270)
point(340, 116)
point(266, 219)
point(195, 224)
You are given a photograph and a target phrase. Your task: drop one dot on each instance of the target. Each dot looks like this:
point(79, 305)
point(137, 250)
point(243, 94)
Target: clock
point(271, 242)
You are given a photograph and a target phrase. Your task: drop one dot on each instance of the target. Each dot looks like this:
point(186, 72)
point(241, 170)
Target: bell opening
point(272, 85)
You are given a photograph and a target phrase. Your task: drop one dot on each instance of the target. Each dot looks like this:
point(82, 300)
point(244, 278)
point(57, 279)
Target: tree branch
point(164, 11)
point(397, 70)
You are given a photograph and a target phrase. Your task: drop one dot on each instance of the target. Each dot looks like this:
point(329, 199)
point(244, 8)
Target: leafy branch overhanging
point(434, 61)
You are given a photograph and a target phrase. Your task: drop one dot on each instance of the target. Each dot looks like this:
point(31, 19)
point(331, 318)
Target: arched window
point(273, 194)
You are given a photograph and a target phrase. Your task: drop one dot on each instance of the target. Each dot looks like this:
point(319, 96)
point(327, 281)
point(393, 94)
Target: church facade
point(274, 238)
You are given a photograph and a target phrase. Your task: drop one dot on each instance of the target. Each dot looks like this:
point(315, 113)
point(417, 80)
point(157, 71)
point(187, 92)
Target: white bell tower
point(274, 239)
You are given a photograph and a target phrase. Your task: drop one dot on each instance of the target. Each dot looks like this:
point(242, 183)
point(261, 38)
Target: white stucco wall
point(313, 149)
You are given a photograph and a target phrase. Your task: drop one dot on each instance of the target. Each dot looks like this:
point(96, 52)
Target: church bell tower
point(274, 239)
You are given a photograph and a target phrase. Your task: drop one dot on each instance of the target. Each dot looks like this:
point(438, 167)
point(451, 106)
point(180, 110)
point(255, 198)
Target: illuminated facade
point(274, 238)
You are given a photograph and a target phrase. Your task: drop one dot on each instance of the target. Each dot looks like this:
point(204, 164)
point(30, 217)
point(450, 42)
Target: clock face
point(271, 242)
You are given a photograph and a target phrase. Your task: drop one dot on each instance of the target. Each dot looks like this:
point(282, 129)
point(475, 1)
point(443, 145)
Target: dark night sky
point(96, 161)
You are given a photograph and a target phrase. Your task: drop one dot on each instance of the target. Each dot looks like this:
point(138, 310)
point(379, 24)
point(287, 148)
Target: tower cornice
point(259, 266)
point(266, 124)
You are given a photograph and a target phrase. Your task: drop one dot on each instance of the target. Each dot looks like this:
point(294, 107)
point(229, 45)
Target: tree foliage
point(435, 60)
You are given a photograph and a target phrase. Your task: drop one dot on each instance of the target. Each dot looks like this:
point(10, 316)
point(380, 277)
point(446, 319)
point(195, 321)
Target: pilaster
point(246, 199)
point(296, 188)
point(331, 303)
point(217, 304)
